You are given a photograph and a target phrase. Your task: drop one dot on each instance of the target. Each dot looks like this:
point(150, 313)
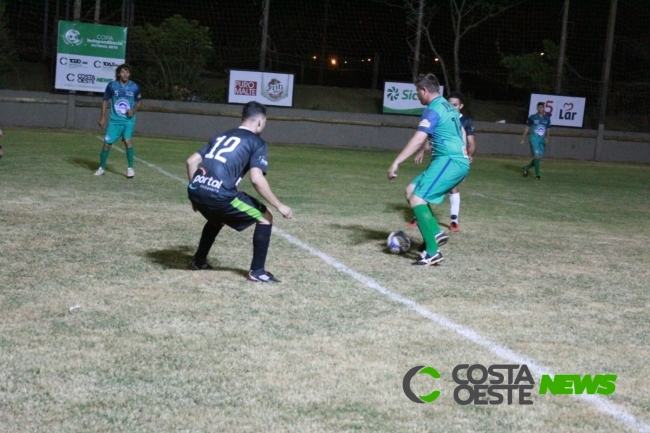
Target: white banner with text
point(268, 88)
point(564, 110)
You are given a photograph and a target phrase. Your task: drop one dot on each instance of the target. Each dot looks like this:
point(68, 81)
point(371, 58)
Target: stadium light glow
point(314, 57)
point(435, 60)
point(333, 62)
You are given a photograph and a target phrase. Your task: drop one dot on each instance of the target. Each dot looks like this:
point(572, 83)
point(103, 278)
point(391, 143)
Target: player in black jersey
point(214, 173)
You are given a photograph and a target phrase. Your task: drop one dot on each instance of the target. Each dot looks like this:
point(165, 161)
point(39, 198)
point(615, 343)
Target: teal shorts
point(116, 130)
point(537, 148)
point(442, 175)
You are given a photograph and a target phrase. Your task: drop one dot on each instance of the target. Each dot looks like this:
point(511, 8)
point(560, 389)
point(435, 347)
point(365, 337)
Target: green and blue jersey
point(441, 121)
point(539, 126)
point(122, 97)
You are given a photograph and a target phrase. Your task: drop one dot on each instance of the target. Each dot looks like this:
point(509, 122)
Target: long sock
point(208, 236)
point(129, 156)
point(531, 165)
point(536, 162)
point(261, 241)
point(454, 201)
point(428, 227)
point(103, 157)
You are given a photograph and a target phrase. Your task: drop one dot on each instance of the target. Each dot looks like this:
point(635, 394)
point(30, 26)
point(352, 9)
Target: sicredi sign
point(402, 98)
point(564, 110)
point(87, 55)
point(268, 88)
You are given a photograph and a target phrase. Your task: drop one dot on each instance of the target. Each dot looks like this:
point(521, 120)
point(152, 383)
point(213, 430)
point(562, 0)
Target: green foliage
point(168, 59)
point(7, 49)
point(533, 70)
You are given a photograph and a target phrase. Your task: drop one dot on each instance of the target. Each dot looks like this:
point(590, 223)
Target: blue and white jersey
point(441, 121)
point(122, 97)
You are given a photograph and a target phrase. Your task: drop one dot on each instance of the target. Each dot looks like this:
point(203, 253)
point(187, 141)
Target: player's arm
point(102, 117)
point(526, 131)
point(262, 186)
point(193, 163)
point(131, 113)
point(548, 134)
point(414, 144)
point(420, 155)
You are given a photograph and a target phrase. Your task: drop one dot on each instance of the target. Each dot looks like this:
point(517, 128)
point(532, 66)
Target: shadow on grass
point(404, 209)
point(92, 165)
point(513, 167)
point(360, 233)
point(180, 256)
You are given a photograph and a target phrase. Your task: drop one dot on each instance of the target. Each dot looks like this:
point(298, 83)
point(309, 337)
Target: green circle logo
point(406, 384)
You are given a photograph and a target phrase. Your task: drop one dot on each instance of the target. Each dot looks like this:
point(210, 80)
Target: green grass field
point(553, 272)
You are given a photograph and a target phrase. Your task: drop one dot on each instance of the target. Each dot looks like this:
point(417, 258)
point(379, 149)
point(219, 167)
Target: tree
point(168, 59)
point(533, 70)
point(465, 16)
point(469, 14)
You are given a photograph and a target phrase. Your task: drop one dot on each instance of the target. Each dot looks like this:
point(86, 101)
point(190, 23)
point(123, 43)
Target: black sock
point(208, 236)
point(261, 241)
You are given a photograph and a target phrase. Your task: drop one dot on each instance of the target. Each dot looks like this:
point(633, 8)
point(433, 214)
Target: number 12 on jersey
point(228, 146)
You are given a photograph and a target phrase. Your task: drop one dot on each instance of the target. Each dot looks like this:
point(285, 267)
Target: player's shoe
point(441, 239)
point(428, 260)
point(130, 173)
point(99, 171)
point(537, 177)
point(195, 266)
point(413, 223)
point(199, 267)
point(525, 172)
point(261, 277)
point(453, 226)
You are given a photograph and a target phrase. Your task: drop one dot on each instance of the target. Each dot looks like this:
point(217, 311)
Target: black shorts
point(239, 213)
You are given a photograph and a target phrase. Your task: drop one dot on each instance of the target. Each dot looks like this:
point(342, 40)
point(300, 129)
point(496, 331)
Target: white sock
point(454, 200)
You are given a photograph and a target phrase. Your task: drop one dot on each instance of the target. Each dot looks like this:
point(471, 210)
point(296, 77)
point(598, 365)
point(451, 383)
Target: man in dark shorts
point(214, 173)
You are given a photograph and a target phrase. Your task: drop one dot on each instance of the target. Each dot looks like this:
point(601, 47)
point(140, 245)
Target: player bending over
point(440, 128)
point(214, 173)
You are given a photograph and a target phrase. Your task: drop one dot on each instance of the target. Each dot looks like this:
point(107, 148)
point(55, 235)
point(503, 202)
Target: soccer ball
point(398, 242)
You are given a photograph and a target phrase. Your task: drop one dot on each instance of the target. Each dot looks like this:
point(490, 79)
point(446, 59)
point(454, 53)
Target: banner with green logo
point(87, 55)
point(401, 98)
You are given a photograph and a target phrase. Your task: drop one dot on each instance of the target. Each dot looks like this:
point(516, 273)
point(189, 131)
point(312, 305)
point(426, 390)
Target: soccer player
point(537, 129)
point(214, 173)
point(457, 100)
point(440, 128)
point(125, 99)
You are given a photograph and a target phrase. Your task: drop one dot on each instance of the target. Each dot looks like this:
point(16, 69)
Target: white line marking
point(503, 352)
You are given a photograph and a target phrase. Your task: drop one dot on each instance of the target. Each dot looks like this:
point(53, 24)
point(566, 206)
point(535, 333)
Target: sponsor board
point(402, 98)
point(564, 110)
point(87, 55)
point(267, 88)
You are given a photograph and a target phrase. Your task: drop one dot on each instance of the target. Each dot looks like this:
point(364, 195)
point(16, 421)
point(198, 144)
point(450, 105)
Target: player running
point(214, 173)
point(440, 128)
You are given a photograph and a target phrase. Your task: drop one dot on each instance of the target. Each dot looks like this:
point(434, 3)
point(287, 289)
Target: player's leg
point(408, 192)
point(210, 231)
point(128, 135)
point(112, 134)
point(443, 175)
point(454, 209)
point(243, 212)
point(532, 162)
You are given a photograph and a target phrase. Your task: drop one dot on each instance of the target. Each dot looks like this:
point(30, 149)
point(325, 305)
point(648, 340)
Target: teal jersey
point(441, 121)
point(122, 98)
point(539, 126)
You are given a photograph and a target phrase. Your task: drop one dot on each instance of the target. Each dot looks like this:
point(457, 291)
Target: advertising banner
point(87, 55)
point(401, 98)
point(564, 110)
point(268, 88)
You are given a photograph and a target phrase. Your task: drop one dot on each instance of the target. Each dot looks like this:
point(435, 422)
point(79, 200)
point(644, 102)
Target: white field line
point(503, 352)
